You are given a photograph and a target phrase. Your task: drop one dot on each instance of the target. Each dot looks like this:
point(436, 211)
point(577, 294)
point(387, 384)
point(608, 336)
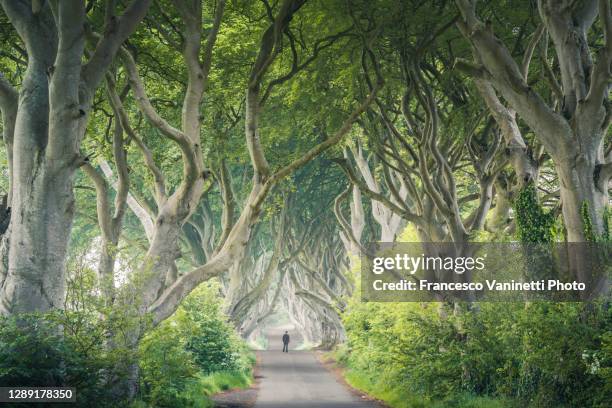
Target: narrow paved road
point(297, 380)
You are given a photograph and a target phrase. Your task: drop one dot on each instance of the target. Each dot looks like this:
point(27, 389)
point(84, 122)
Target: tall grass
point(398, 397)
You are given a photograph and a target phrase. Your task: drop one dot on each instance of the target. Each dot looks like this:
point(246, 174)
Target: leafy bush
point(185, 359)
point(538, 355)
point(211, 338)
point(167, 368)
point(193, 354)
point(59, 349)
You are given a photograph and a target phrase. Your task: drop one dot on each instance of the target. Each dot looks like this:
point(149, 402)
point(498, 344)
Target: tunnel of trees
point(177, 173)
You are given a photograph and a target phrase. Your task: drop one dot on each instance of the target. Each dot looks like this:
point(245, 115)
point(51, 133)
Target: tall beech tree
point(573, 133)
point(164, 288)
point(52, 109)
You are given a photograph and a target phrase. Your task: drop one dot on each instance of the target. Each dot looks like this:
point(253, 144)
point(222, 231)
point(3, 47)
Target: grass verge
point(226, 380)
point(200, 391)
point(399, 397)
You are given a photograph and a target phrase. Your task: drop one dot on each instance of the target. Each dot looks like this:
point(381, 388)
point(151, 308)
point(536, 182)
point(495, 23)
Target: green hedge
point(184, 360)
point(193, 354)
point(534, 355)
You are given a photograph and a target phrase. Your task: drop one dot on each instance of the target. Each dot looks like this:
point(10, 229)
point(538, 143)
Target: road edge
point(245, 397)
point(331, 364)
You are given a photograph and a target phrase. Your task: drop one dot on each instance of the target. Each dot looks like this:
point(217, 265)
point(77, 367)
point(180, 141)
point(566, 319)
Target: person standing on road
point(286, 342)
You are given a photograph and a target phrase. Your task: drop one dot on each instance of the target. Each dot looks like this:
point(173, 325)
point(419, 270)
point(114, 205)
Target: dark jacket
point(285, 338)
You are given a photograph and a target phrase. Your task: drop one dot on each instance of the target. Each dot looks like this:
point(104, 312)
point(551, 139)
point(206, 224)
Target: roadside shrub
point(166, 367)
point(182, 361)
point(193, 354)
point(538, 355)
point(210, 338)
point(58, 349)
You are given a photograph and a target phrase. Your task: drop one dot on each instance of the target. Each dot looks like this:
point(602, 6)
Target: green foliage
point(408, 354)
point(225, 380)
point(193, 354)
point(60, 349)
point(167, 367)
point(606, 224)
point(589, 234)
point(537, 355)
point(69, 347)
point(211, 338)
point(533, 223)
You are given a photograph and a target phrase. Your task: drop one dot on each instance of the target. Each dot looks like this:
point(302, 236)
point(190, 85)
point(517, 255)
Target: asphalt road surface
point(297, 380)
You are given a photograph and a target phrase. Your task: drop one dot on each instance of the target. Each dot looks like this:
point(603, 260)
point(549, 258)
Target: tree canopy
point(165, 144)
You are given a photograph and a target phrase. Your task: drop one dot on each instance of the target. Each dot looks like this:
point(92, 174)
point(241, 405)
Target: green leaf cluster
point(511, 355)
point(533, 223)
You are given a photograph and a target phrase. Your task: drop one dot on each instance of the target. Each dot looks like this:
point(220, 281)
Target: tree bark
point(54, 103)
point(573, 137)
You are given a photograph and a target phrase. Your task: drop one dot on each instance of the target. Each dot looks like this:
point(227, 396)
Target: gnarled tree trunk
point(573, 136)
point(54, 103)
